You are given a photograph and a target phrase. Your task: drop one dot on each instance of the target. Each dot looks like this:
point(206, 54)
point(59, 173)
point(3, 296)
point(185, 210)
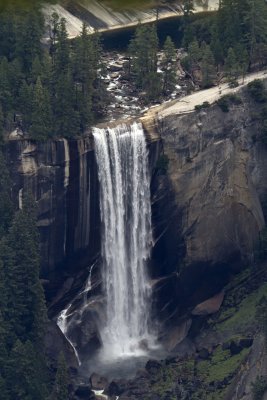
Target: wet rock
point(98, 382)
point(209, 306)
point(83, 330)
point(115, 75)
point(55, 343)
point(114, 389)
point(84, 392)
point(115, 67)
point(176, 335)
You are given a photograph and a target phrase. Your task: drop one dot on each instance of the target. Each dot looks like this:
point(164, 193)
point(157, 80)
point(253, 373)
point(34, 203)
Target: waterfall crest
point(123, 172)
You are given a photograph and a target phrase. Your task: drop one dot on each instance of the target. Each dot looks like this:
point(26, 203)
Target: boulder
point(84, 392)
point(175, 335)
point(209, 306)
point(83, 330)
point(117, 387)
point(56, 343)
point(98, 382)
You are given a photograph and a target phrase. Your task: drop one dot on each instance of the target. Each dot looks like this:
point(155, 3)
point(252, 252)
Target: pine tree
point(143, 54)
point(3, 389)
point(231, 66)
point(25, 373)
point(169, 66)
point(2, 123)
point(41, 117)
point(37, 70)
point(192, 60)
point(5, 86)
point(229, 23)
point(188, 36)
point(66, 118)
point(26, 311)
point(207, 66)
point(60, 391)
point(100, 94)
point(28, 31)
point(84, 76)
point(6, 207)
point(255, 21)
point(25, 104)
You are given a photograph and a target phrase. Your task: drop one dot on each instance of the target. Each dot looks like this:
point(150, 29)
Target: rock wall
point(62, 176)
point(100, 16)
point(208, 207)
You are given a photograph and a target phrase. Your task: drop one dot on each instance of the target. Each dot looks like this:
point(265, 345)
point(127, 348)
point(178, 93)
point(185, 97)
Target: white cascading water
point(122, 160)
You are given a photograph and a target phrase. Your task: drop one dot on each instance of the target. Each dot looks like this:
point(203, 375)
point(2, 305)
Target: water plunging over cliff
point(122, 161)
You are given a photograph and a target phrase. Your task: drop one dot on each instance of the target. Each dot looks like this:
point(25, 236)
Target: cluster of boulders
point(125, 100)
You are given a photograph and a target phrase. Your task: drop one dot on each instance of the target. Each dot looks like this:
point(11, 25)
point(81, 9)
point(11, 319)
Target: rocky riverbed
point(125, 101)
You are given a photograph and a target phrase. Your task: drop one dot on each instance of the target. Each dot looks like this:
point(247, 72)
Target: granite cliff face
point(62, 176)
point(209, 205)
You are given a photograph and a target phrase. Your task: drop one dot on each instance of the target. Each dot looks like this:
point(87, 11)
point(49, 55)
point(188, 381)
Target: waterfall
point(62, 322)
point(122, 160)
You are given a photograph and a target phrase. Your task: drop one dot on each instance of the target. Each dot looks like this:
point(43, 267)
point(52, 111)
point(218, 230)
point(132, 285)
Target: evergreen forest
point(56, 89)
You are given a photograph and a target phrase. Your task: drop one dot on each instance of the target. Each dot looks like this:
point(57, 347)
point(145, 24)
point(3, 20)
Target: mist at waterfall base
point(127, 335)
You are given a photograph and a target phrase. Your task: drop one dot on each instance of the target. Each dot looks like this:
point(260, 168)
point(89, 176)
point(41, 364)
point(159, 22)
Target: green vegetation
point(143, 51)
point(222, 365)
point(202, 106)
point(257, 91)
point(167, 376)
point(234, 41)
point(47, 92)
point(60, 390)
point(24, 373)
point(225, 102)
point(241, 316)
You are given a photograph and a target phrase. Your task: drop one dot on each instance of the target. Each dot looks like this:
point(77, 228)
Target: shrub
point(257, 91)
point(259, 387)
point(206, 104)
point(233, 83)
point(226, 101)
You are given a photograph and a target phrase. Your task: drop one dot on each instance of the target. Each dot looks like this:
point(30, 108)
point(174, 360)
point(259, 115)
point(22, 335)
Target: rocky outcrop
point(98, 15)
point(207, 201)
point(62, 176)
point(209, 306)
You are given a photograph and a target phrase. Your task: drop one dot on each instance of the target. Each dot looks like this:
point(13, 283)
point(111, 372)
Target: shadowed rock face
point(207, 207)
point(62, 176)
